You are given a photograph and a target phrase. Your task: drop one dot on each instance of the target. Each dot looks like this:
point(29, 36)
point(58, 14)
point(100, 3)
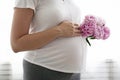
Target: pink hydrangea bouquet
point(94, 28)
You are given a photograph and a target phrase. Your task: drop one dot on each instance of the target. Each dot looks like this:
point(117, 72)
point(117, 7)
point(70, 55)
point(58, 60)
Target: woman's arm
point(21, 40)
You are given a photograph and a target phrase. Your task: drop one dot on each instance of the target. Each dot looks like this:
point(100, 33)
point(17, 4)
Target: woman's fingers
point(76, 31)
point(69, 29)
point(76, 24)
point(76, 34)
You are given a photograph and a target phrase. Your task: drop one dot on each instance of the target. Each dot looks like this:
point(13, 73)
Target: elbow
point(15, 47)
point(15, 50)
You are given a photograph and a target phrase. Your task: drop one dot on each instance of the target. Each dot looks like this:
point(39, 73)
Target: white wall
point(6, 54)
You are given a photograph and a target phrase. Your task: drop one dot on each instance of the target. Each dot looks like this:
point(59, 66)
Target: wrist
point(58, 31)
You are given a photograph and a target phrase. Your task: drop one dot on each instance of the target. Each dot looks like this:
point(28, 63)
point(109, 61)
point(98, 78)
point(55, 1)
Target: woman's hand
point(68, 29)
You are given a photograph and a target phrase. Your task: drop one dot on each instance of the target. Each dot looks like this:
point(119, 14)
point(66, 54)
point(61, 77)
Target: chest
point(54, 11)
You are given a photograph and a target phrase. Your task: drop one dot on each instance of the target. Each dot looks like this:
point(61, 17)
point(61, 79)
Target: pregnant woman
point(47, 31)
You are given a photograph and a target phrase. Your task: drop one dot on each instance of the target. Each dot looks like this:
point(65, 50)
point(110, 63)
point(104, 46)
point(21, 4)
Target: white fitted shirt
point(63, 54)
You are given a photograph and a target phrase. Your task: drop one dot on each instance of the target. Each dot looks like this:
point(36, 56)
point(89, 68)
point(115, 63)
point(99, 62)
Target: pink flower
point(106, 33)
point(100, 21)
point(94, 27)
point(98, 32)
point(88, 26)
point(86, 30)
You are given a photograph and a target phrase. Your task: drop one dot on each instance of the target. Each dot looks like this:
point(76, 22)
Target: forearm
point(35, 40)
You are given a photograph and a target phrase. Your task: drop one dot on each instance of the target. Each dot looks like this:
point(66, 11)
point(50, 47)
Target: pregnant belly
point(67, 49)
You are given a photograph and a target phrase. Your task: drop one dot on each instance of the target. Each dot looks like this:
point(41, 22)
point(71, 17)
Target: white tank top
point(63, 54)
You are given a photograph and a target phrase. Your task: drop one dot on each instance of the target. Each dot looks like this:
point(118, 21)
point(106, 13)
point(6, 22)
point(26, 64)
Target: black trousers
point(35, 72)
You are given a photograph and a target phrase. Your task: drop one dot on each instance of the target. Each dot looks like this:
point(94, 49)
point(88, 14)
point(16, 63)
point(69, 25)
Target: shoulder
point(27, 4)
point(35, 2)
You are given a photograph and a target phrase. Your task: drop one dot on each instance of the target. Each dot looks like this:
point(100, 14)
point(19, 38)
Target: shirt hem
point(65, 71)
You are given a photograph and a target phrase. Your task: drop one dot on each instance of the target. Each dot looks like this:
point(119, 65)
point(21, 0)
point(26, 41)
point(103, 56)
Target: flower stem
point(88, 41)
